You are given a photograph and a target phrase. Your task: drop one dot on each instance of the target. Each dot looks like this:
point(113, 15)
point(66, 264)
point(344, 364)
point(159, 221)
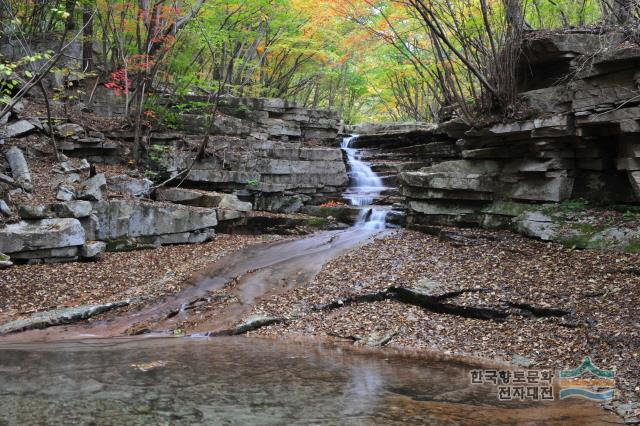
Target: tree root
point(435, 303)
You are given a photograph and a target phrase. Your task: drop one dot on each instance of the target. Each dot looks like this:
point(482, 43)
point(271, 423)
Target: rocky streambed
point(477, 293)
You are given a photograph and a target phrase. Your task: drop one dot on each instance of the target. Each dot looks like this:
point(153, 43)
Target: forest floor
point(599, 292)
point(143, 275)
point(562, 304)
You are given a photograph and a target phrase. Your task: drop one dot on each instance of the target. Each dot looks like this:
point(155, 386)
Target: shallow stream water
point(248, 381)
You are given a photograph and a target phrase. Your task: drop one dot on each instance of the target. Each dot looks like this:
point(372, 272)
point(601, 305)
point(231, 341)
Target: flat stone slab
point(131, 218)
point(59, 317)
point(41, 234)
point(18, 129)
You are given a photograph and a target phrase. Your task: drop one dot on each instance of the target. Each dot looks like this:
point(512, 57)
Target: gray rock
point(37, 123)
point(17, 129)
point(69, 178)
point(281, 203)
point(537, 225)
point(41, 234)
point(188, 197)
point(193, 237)
point(5, 209)
point(59, 317)
point(68, 130)
point(19, 168)
point(91, 189)
point(91, 226)
point(73, 209)
point(231, 202)
point(27, 211)
point(130, 218)
point(63, 253)
point(74, 165)
point(127, 185)
point(17, 108)
point(93, 249)
point(65, 193)
point(427, 287)
point(228, 205)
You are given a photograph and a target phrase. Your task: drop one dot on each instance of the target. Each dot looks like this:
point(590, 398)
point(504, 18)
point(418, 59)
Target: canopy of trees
point(367, 59)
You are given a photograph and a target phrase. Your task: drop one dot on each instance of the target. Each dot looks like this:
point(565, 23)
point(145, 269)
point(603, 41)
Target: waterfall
point(365, 187)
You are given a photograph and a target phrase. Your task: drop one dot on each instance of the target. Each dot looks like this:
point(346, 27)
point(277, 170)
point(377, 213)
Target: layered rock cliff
point(582, 143)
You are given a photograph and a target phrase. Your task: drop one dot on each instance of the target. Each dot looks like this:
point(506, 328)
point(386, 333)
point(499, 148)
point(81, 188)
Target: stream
point(244, 381)
point(366, 186)
point(87, 373)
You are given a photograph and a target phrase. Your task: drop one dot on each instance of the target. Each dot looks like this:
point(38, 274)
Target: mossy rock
point(317, 222)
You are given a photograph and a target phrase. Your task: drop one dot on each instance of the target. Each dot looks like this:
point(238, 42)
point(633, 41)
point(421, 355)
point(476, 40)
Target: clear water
point(366, 187)
point(243, 381)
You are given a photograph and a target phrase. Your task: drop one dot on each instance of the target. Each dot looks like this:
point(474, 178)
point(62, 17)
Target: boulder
point(41, 234)
point(231, 202)
point(5, 209)
point(19, 168)
point(17, 129)
point(27, 211)
point(72, 209)
point(188, 197)
point(127, 185)
point(65, 193)
point(74, 165)
point(61, 254)
point(68, 179)
point(68, 130)
point(93, 249)
point(538, 225)
point(91, 226)
point(130, 218)
point(91, 189)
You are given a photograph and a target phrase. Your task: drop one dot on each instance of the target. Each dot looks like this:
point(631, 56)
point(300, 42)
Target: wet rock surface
point(59, 317)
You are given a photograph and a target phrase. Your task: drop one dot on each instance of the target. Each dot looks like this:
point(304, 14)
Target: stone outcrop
point(131, 223)
point(583, 145)
point(394, 148)
point(228, 206)
point(273, 176)
point(265, 119)
point(44, 238)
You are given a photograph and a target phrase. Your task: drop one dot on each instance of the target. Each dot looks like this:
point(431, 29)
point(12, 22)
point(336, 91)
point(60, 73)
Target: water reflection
point(247, 381)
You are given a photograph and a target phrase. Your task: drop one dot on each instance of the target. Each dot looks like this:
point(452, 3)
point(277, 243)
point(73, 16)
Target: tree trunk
point(87, 39)
point(617, 12)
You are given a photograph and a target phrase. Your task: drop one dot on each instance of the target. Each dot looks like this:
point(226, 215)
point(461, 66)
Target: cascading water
point(365, 187)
